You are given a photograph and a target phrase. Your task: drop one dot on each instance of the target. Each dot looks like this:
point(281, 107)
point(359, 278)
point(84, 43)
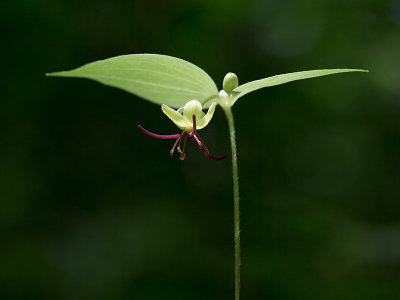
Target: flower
point(189, 118)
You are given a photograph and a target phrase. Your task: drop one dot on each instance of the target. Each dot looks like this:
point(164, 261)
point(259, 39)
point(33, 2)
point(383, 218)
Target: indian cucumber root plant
point(173, 82)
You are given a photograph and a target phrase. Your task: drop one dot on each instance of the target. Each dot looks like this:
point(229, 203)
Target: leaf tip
point(53, 74)
point(359, 70)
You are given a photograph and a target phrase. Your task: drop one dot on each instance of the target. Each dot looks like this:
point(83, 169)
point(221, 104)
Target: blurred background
point(91, 208)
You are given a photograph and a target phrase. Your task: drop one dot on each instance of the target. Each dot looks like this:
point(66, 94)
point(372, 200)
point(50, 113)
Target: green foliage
point(158, 78)
point(172, 81)
point(284, 78)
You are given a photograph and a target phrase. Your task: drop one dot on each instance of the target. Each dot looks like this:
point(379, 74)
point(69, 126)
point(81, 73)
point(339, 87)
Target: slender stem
point(229, 116)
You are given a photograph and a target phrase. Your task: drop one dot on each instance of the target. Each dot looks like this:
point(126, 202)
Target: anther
point(179, 139)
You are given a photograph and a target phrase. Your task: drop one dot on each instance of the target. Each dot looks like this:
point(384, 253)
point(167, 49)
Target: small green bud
point(231, 82)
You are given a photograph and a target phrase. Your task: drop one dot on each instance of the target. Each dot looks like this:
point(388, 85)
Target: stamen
point(196, 140)
point(182, 152)
point(159, 136)
point(173, 148)
point(179, 139)
point(199, 137)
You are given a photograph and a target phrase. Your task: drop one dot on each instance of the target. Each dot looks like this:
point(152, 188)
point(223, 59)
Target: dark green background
point(91, 208)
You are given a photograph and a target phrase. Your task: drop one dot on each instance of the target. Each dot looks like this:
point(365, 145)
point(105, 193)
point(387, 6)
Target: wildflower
point(189, 118)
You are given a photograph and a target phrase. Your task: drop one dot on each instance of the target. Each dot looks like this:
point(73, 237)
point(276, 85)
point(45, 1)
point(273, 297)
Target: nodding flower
point(189, 118)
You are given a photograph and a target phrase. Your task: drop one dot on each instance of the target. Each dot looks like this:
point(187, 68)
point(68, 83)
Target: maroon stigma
point(180, 142)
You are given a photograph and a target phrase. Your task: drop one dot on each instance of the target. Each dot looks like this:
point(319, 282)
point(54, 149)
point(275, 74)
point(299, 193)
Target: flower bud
point(230, 82)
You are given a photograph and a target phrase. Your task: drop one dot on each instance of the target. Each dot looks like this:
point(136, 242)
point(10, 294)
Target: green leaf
point(158, 78)
point(284, 78)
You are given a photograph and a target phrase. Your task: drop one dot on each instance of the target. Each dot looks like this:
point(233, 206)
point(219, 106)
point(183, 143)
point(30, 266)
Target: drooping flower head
point(189, 118)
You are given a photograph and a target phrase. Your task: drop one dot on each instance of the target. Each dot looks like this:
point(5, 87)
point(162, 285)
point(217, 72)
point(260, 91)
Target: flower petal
point(207, 118)
point(193, 107)
point(175, 117)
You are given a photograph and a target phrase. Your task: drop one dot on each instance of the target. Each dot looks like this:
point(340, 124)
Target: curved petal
point(175, 117)
point(193, 107)
point(207, 118)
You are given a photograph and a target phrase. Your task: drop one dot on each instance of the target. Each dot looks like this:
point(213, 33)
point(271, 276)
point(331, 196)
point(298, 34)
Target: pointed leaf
point(157, 78)
point(284, 78)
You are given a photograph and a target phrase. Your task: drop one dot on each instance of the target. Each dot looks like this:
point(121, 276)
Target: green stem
point(229, 116)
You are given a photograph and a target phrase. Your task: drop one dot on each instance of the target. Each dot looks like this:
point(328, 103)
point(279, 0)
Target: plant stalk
point(236, 213)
